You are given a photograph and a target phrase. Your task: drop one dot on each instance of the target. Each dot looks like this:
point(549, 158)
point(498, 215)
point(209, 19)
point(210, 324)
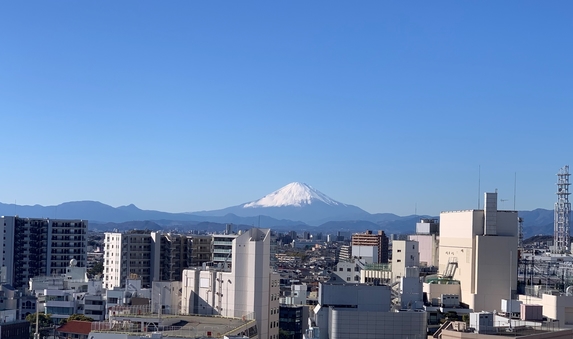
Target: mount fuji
point(295, 201)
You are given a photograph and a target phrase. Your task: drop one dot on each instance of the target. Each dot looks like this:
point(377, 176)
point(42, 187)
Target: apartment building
point(38, 246)
point(175, 255)
point(222, 249)
point(246, 289)
point(201, 249)
point(149, 256)
point(378, 241)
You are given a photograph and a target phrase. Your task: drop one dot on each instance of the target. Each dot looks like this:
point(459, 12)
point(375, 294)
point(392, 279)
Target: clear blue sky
point(188, 105)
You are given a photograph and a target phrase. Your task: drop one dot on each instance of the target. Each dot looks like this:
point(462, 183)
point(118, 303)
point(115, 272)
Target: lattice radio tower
point(562, 238)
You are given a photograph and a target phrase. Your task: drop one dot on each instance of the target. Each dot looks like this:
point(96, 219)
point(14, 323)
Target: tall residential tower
point(36, 246)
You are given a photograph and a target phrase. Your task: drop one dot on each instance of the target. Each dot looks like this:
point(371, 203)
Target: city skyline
point(185, 107)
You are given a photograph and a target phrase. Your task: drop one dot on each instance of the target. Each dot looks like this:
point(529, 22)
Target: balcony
point(224, 243)
point(221, 250)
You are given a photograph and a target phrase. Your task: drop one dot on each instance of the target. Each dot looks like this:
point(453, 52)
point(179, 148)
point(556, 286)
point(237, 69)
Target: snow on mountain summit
point(294, 194)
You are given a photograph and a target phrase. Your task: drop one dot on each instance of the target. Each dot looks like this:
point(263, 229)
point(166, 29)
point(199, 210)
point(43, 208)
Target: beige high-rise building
point(479, 248)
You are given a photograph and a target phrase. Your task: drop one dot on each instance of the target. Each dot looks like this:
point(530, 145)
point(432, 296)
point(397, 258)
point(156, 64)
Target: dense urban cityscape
point(162, 162)
point(466, 274)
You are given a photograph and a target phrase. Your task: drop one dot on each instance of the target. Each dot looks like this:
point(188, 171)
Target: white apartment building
point(128, 255)
point(150, 256)
point(249, 289)
point(37, 246)
point(404, 254)
point(348, 271)
point(479, 248)
point(69, 293)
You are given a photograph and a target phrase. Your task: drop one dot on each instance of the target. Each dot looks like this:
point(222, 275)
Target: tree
point(44, 324)
point(96, 269)
point(283, 334)
point(466, 318)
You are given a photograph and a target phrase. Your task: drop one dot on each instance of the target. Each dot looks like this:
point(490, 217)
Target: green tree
point(44, 324)
point(96, 269)
point(283, 334)
point(466, 318)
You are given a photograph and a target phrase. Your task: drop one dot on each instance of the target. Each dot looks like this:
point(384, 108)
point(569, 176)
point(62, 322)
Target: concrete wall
point(365, 297)
point(547, 335)
point(405, 253)
point(355, 324)
point(428, 247)
point(366, 254)
point(557, 307)
point(483, 262)
point(493, 270)
point(346, 271)
point(436, 290)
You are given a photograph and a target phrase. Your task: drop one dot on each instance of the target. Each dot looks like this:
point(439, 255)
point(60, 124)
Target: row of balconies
point(68, 251)
point(225, 243)
point(67, 237)
point(68, 231)
point(68, 244)
point(68, 224)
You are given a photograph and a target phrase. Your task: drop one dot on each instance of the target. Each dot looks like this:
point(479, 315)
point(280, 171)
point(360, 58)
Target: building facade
point(479, 248)
point(363, 311)
point(404, 254)
point(248, 289)
point(222, 248)
point(36, 246)
point(201, 249)
point(175, 255)
point(150, 256)
point(368, 239)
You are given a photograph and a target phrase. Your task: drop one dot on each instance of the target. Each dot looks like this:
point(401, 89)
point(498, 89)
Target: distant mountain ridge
point(295, 201)
point(296, 206)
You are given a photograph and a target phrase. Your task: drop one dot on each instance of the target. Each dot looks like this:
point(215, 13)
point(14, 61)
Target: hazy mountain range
point(296, 206)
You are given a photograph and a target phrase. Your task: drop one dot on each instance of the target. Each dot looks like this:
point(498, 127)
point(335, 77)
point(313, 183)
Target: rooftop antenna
point(514, 188)
point(479, 185)
point(502, 201)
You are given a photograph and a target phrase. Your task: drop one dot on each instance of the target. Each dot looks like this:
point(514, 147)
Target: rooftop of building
point(187, 326)
point(518, 332)
point(477, 210)
point(76, 327)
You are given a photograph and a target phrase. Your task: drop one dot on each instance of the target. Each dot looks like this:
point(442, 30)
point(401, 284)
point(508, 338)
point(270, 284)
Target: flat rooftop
point(186, 326)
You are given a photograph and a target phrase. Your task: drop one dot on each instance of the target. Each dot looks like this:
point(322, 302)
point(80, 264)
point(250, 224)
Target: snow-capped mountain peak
point(294, 194)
